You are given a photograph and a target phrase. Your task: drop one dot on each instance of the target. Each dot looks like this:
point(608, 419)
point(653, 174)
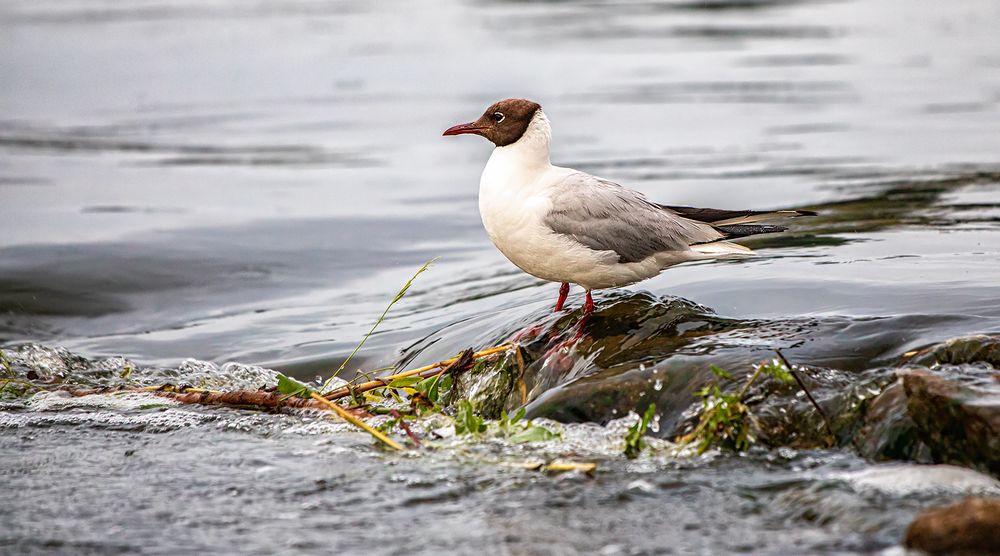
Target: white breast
point(513, 204)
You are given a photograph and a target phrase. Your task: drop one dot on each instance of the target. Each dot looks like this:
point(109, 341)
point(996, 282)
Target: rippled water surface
point(246, 181)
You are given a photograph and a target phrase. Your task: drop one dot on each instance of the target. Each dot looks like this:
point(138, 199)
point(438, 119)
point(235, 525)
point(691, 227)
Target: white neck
point(531, 151)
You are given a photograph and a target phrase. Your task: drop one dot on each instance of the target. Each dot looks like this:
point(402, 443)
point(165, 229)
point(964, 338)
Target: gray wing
point(608, 217)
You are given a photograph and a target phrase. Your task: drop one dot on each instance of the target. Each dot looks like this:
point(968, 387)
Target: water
point(244, 182)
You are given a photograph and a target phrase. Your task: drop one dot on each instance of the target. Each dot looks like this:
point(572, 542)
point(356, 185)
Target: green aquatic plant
point(507, 424)
point(126, 372)
point(466, 420)
point(778, 371)
point(5, 363)
point(515, 428)
point(431, 388)
point(725, 420)
point(634, 442)
point(13, 388)
point(518, 430)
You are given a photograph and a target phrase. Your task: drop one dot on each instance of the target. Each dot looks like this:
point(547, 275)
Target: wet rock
point(961, 351)
point(784, 416)
point(492, 387)
point(46, 364)
point(888, 432)
point(970, 526)
point(957, 414)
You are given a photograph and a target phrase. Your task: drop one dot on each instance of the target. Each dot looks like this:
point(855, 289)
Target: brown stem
point(234, 398)
point(406, 428)
point(802, 385)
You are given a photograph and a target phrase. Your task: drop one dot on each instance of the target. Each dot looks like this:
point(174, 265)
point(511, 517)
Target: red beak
point(463, 128)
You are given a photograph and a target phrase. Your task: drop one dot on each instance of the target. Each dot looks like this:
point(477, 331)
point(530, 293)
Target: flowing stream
point(213, 191)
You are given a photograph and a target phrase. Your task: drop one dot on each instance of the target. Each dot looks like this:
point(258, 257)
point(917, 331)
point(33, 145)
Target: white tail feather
point(719, 249)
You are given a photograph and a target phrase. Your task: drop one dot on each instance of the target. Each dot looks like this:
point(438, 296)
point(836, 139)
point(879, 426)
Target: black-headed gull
point(564, 225)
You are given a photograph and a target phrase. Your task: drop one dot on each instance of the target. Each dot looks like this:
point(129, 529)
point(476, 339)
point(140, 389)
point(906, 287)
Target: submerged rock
point(971, 526)
point(58, 366)
point(492, 387)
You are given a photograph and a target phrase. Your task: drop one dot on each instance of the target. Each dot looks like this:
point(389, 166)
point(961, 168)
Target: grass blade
point(399, 295)
point(345, 415)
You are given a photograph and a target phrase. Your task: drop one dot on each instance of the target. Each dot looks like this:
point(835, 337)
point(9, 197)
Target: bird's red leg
point(554, 355)
point(563, 292)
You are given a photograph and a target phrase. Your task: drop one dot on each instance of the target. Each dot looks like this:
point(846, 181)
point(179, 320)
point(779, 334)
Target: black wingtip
point(734, 231)
point(806, 213)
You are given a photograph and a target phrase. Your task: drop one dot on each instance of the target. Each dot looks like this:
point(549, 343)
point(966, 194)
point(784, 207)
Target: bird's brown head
point(503, 123)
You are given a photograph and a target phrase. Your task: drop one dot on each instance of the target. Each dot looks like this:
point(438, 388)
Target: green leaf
point(720, 373)
point(634, 444)
point(446, 382)
point(533, 434)
point(429, 387)
point(466, 420)
point(778, 371)
point(292, 387)
point(518, 416)
point(405, 381)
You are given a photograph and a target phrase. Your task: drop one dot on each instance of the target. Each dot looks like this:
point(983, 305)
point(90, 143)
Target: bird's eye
point(498, 117)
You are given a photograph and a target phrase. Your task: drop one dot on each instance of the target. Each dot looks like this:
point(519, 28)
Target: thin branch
point(802, 385)
point(406, 428)
point(232, 398)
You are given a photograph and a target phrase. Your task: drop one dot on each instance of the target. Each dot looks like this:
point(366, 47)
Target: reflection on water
point(250, 181)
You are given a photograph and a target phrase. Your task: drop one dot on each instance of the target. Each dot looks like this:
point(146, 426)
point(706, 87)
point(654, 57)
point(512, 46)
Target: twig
point(233, 398)
point(406, 428)
point(802, 385)
point(345, 391)
point(346, 415)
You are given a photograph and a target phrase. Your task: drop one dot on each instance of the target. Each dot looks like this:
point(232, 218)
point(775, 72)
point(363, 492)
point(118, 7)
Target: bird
point(567, 226)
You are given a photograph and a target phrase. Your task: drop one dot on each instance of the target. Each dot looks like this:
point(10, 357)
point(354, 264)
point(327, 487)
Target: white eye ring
point(498, 117)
